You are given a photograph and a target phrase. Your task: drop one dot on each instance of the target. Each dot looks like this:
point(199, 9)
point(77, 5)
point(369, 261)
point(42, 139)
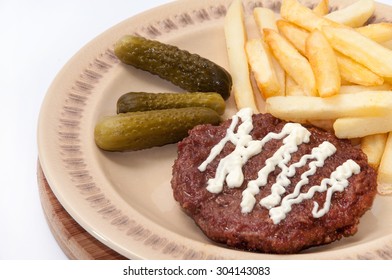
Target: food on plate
point(145, 101)
point(354, 127)
point(190, 72)
point(373, 146)
point(355, 73)
point(354, 15)
point(147, 120)
point(379, 32)
point(323, 61)
point(294, 34)
point(266, 19)
point(260, 61)
point(350, 70)
point(357, 88)
point(363, 54)
point(261, 184)
point(322, 8)
point(295, 12)
point(236, 36)
point(146, 129)
point(384, 177)
point(361, 104)
point(295, 64)
point(360, 48)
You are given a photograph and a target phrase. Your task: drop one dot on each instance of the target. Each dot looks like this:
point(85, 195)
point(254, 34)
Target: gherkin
point(190, 72)
point(144, 101)
point(147, 129)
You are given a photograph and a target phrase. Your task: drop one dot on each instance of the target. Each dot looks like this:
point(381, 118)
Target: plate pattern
point(69, 133)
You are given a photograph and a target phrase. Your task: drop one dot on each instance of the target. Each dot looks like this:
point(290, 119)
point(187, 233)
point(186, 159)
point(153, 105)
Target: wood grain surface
point(75, 241)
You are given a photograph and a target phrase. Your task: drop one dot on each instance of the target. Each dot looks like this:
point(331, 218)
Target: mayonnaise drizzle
point(319, 154)
point(338, 182)
point(229, 169)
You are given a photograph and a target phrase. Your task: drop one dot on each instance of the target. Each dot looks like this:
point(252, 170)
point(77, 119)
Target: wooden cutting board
point(76, 242)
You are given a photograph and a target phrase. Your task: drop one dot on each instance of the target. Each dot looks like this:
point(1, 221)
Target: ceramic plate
point(125, 199)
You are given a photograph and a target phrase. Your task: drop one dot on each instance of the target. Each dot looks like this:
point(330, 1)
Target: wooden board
point(76, 242)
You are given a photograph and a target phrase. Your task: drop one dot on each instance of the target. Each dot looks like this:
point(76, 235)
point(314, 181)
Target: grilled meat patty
point(220, 216)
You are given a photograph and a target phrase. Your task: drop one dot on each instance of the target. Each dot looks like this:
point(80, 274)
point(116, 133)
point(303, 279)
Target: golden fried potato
point(321, 9)
point(353, 127)
point(294, 34)
point(324, 65)
point(347, 89)
point(353, 15)
point(373, 146)
point(260, 61)
point(295, 12)
point(266, 18)
point(296, 65)
point(362, 104)
point(361, 49)
point(353, 72)
point(380, 32)
point(384, 176)
point(292, 88)
point(236, 36)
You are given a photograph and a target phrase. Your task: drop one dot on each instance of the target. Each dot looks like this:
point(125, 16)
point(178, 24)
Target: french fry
point(388, 80)
point(327, 125)
point(292, 88)
point(387, 44)
point(384, 176)
point(353, 72)
point(350, 70)
point(321, 9)
point(324, 65)
point(373, 146)
point(266, 18)
point(353, 15)
point(362, 104)
point(380, 32)
point(294, 34)
point(345, 89)
point(295, 12)
point(259, 58)
point(353, 127)
point(235, 34)
point(296, 65)
point(280, 74)
point(361, 49)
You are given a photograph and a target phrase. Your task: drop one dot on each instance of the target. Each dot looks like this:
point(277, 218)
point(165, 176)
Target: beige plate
point(125, 199)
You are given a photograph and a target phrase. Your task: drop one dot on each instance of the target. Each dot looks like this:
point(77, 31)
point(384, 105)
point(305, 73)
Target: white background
point(36, 39)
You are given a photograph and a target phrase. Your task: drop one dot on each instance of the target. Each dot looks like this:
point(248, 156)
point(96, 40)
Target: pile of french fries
point(325, 68)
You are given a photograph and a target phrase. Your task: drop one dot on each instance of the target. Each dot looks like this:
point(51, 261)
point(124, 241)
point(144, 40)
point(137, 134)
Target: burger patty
point(220, 216)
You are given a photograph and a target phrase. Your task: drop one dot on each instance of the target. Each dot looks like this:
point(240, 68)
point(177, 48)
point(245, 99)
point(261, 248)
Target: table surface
point(37, 39)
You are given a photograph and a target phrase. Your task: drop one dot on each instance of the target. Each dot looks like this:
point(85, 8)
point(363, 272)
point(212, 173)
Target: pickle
point(147, 129)
point(190, 72)
point(143, 101)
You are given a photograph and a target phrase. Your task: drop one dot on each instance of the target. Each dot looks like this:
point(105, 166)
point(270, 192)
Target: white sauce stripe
point(338, 182)
point(320, 154)
point(229, 169)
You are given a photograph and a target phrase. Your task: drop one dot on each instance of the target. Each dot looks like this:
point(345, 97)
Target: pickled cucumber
point(143, 101)
point(190, 72)
point(147, 129)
